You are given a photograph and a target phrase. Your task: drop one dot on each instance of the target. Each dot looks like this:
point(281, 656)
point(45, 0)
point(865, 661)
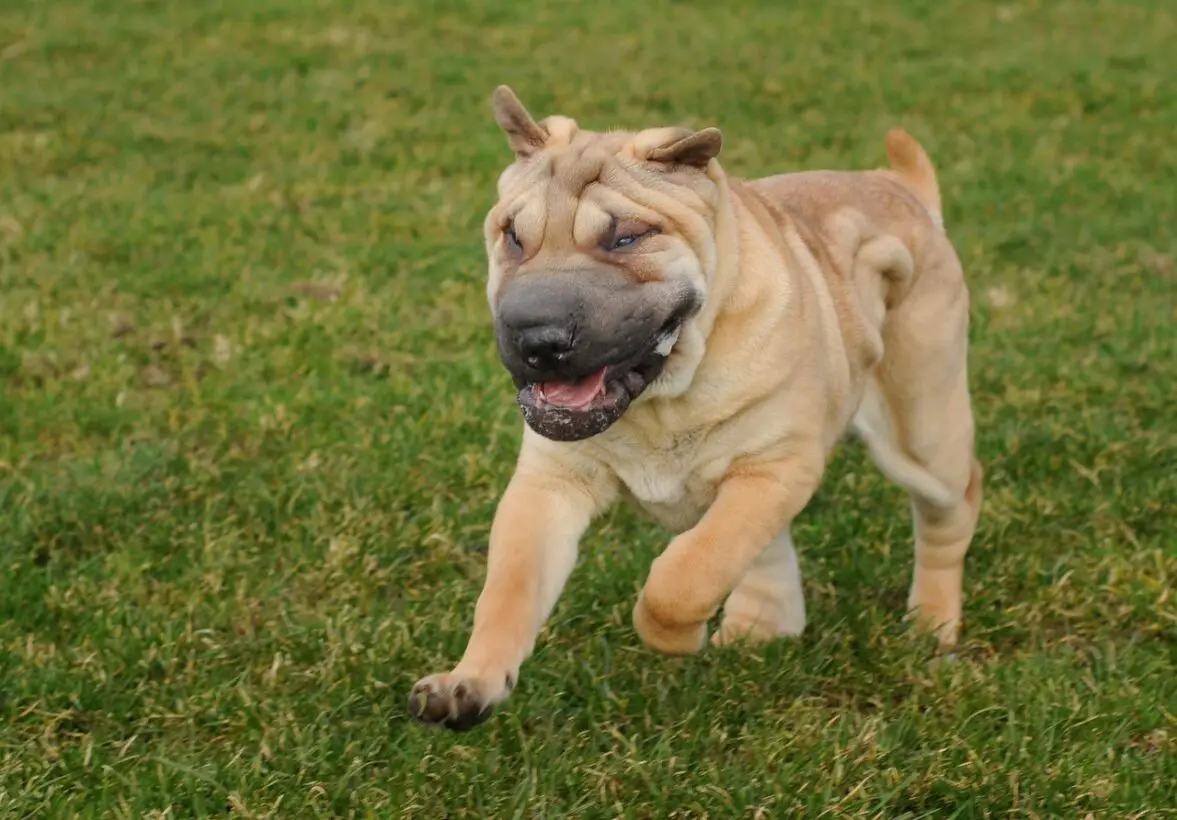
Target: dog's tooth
point(666, 343)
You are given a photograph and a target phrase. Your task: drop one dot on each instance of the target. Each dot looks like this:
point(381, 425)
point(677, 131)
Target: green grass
point(252, 426)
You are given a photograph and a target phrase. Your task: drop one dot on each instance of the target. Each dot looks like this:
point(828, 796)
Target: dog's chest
point(670, 481)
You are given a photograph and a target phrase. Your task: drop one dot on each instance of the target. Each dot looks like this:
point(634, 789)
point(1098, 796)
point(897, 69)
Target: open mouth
point(586, 406)
point(577, 395)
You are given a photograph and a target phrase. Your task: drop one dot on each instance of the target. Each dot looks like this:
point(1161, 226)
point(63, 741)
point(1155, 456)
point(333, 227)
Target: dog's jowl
point(697, 345)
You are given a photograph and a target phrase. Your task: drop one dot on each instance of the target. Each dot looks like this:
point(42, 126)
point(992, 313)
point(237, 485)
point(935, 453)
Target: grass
point(252, 427)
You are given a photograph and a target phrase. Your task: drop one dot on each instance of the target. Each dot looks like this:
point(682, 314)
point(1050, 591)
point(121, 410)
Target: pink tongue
point(574, 395)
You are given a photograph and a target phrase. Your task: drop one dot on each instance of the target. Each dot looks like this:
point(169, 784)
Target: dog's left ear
point(524, 135)
point(696, 149)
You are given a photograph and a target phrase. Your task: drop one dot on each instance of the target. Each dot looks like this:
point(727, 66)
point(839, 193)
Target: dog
point(697, 345)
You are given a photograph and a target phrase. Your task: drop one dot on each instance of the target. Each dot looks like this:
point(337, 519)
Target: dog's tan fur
point(833, 300)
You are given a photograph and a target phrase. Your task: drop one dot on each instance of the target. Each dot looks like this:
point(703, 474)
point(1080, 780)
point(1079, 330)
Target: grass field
point(253, 429)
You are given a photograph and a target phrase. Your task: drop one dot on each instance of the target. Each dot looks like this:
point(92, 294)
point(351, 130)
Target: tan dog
point(698, 345)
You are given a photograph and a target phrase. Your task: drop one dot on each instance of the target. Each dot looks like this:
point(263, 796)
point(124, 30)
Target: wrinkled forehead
point(568, 186)
point(569, 166)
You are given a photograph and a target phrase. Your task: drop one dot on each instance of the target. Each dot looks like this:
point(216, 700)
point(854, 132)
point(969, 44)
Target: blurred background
point(253, 428)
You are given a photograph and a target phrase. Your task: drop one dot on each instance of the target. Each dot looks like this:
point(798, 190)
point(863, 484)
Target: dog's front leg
point(533, 547)
point(754, 504)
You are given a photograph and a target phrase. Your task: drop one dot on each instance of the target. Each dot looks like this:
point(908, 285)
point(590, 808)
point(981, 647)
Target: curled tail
point(910, 163)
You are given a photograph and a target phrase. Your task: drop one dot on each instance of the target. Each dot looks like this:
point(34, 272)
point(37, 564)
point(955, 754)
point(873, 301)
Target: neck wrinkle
point(727, 256)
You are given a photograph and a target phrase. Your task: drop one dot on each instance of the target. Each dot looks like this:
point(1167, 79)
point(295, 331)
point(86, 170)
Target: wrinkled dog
point(697, 345)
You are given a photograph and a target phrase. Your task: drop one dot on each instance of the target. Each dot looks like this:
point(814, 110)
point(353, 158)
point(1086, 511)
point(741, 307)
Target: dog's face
point(601, 248)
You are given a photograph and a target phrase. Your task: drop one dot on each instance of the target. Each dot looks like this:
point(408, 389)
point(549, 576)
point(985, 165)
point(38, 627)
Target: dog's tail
point(915, 171)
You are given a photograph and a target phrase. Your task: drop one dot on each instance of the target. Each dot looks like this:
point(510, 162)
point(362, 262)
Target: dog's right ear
point(524, 135)
point(697, 149)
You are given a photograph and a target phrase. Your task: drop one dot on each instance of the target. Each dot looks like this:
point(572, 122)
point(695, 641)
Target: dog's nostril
point(555, 357)
point(545, 346)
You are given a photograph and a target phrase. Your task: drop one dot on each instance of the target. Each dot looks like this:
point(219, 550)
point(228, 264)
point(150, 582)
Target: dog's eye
point(627, 239)
point(512, 237)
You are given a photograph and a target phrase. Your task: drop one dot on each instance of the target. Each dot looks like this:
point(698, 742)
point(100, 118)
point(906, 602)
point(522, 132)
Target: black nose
point(545, 347)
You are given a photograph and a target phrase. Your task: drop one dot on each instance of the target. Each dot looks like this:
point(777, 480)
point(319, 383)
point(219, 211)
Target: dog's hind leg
point(768, 602)
point(917, 421)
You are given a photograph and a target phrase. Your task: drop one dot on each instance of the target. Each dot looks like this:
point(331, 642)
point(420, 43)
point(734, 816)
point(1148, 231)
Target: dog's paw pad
point(454, 705)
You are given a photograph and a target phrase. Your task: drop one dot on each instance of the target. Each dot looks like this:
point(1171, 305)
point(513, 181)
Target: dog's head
point(601, 250)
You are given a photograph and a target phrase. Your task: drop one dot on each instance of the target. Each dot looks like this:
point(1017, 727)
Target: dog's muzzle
point(581, 346)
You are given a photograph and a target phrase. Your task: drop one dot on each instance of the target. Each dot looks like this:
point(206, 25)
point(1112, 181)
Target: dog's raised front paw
point(661, 635)
point(455, 701)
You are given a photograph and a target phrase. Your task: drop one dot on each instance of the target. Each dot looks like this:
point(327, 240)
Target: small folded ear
point(695, 149)
point(523, 134)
